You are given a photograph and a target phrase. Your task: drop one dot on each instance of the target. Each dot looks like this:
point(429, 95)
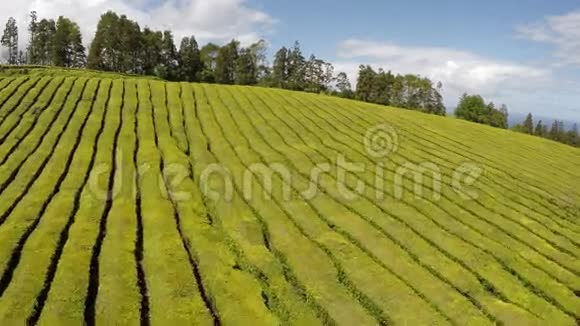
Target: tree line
point(57, 43)
point(473, 108)
point(404, 91)
point(121, 45)
point(557, 131)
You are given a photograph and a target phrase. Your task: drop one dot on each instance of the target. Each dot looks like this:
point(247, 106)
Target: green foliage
point(10, 40)
point(318, 75)
point(529, 124)
point(190, 64)
point(150, 54)
point(209, 53)
point(291, 70)
point(473, 108)
point(58, 44)
point(557, 132)
point(32, 50)
point(121, 46)
point(295, 68)
point(404, 91)
point(117, 45)
point(280, 68)
point(541, 129)
point(343, 86)
point(225, 63)
point(365, 84)
point(246, 68)
point(41, 48)
point(169, 57)
point(67, 44)
point(251, 64)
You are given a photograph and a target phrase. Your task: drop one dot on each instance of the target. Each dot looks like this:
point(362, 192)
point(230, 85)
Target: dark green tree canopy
point(225, 70)
point(529, 124)
point(67, 44)
point(280, 68)
point(473, 108)
point(189, 61)
point(406, 91)
point(43, 43)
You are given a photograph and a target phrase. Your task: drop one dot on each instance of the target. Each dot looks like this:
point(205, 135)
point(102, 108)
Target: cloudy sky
point(525, 54)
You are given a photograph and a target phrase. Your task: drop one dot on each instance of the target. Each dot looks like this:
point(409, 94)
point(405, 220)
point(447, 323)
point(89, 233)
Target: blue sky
point(525, 54)
point(489, 30)
point(484, 27)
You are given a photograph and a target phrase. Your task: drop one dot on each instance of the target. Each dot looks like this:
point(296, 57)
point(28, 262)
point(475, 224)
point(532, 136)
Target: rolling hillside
point(136, 201)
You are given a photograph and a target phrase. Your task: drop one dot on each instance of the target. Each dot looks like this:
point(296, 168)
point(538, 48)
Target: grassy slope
point(71, 253)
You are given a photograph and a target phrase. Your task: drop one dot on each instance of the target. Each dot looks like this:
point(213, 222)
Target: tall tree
point(365, 84)
point(44, 39)
point(258, 51)
point(190, 65)
point(151, 50)
point(33, 31)
point(280, 68)
point(343, 85)
point(119, 45)
point(496, 118)
point(529, 124)
point(246, 68)
point(251, 64)
point(105, 48)
point(22, 58)
point(130, 46)
point(10, 40)
point(472, 108)
point(167, 69)
point(209, 53)
point(317, 75)
point(555, 131)
point(226, 63)
point(427, 98)
point(68, 49)
point(539, 130)
point(296, 68)
point(505, 113)
point(383, 90)
point(435, 102)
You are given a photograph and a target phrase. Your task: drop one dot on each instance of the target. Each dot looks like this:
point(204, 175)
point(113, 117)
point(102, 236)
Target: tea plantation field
point(137, 201)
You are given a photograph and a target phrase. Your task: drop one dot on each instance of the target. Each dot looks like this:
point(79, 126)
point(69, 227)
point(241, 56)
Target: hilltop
point(134, 200)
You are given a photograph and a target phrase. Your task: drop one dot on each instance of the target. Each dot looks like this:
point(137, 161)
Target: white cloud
point(562, 32)
point(208, 20)
point(459, 71)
